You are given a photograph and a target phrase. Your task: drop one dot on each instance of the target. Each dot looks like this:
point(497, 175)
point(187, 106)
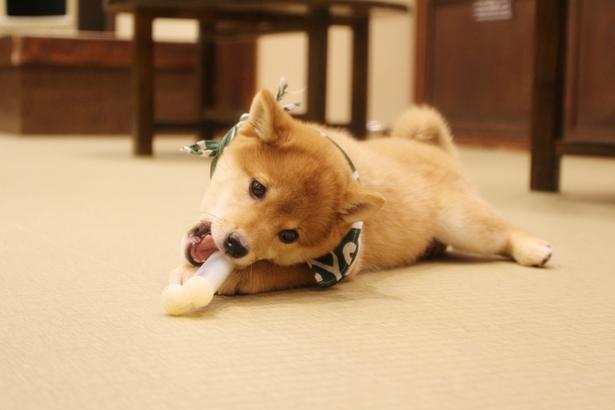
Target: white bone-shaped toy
point(199, 289)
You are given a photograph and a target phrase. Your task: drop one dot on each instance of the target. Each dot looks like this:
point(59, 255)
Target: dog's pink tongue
point(203, 249)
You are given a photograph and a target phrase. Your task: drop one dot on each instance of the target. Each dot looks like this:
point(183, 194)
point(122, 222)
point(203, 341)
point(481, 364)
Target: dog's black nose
point(234, 246)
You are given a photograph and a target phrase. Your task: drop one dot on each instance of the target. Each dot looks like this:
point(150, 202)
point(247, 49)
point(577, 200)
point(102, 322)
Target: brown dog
point(282, 195)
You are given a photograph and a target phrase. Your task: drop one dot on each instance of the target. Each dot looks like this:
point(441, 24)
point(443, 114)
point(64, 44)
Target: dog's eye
point(257, 190)
point(288, 235)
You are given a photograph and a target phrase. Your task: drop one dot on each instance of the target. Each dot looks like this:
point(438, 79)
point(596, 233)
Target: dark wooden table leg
point(547, 102)
point(318, 45)
point(206, 75)
point(143, 84)
point(360, 62)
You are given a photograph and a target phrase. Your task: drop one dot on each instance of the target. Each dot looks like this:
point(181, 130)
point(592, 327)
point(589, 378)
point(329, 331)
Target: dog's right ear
point(360, 203)
point(268, 121)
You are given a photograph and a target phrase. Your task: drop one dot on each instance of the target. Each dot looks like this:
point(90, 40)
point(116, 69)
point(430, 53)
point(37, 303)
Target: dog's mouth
point(199, 244)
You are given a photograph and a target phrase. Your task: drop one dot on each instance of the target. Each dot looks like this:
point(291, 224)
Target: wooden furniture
point(219, 20)
point(91, 16)
point(80, 84)
point(480, 72)
point(477, 72)
point(574, 85)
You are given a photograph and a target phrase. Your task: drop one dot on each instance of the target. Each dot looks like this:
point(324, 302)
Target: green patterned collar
point(334, 266)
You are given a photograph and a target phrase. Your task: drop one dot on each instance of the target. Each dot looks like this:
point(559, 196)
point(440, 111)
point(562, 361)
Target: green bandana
point(330, 268)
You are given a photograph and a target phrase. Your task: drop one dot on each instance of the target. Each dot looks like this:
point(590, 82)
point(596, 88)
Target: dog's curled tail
point(425, 124)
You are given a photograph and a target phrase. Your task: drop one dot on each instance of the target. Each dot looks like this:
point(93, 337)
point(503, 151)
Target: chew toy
point(199, 289)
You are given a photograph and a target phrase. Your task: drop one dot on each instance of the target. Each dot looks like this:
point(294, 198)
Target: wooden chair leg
point(360, 61)
point(206, 74)
point(143, 85)
point(547, 102)
point(318, 39)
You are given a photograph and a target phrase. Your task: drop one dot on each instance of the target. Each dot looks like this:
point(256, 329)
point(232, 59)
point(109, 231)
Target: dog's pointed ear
point(359, 204)
point(268, 121)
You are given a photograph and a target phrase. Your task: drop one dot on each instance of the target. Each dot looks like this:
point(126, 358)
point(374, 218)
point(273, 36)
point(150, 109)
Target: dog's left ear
point(359, 204)
point(268, 121)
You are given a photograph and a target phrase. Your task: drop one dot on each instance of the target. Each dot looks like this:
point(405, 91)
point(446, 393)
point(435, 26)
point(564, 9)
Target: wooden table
point(236, 18)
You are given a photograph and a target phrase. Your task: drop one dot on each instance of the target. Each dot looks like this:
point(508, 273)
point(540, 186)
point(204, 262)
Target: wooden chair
point(249, 18)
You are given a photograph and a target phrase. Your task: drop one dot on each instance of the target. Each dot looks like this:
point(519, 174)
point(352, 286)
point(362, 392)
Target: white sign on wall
point(489, 10)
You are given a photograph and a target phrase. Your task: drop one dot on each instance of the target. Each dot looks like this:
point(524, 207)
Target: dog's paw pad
point(532, 252)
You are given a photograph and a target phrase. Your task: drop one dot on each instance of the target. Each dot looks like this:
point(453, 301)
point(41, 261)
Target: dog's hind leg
point(468, 223)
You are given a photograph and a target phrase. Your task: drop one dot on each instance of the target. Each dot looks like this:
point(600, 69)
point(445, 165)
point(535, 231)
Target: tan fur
point(412, 193)
point(425, 124)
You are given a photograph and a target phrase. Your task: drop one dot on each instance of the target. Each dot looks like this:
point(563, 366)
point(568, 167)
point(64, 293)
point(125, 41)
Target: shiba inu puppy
point(283, 193)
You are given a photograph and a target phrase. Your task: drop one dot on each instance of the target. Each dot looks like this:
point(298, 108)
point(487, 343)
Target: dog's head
point(280, 192)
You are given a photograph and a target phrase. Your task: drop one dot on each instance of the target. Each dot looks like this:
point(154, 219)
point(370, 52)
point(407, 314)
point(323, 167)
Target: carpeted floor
point(88, 233)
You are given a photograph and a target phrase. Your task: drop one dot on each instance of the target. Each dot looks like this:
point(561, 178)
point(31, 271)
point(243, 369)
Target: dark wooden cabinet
point(590, 71)
point(80, 84)
point(479, 72)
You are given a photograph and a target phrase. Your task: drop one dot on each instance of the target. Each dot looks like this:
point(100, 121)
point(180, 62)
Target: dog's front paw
point(530, 251)
point(264, 276)
point(248, 282)
point(230, 286)
point(181, 274)
point(240, 283)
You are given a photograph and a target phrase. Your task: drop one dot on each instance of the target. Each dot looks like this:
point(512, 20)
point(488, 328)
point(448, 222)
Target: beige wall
point(391, 71)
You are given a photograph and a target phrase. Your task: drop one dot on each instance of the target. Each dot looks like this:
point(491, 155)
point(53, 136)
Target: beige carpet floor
point(88, 233)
